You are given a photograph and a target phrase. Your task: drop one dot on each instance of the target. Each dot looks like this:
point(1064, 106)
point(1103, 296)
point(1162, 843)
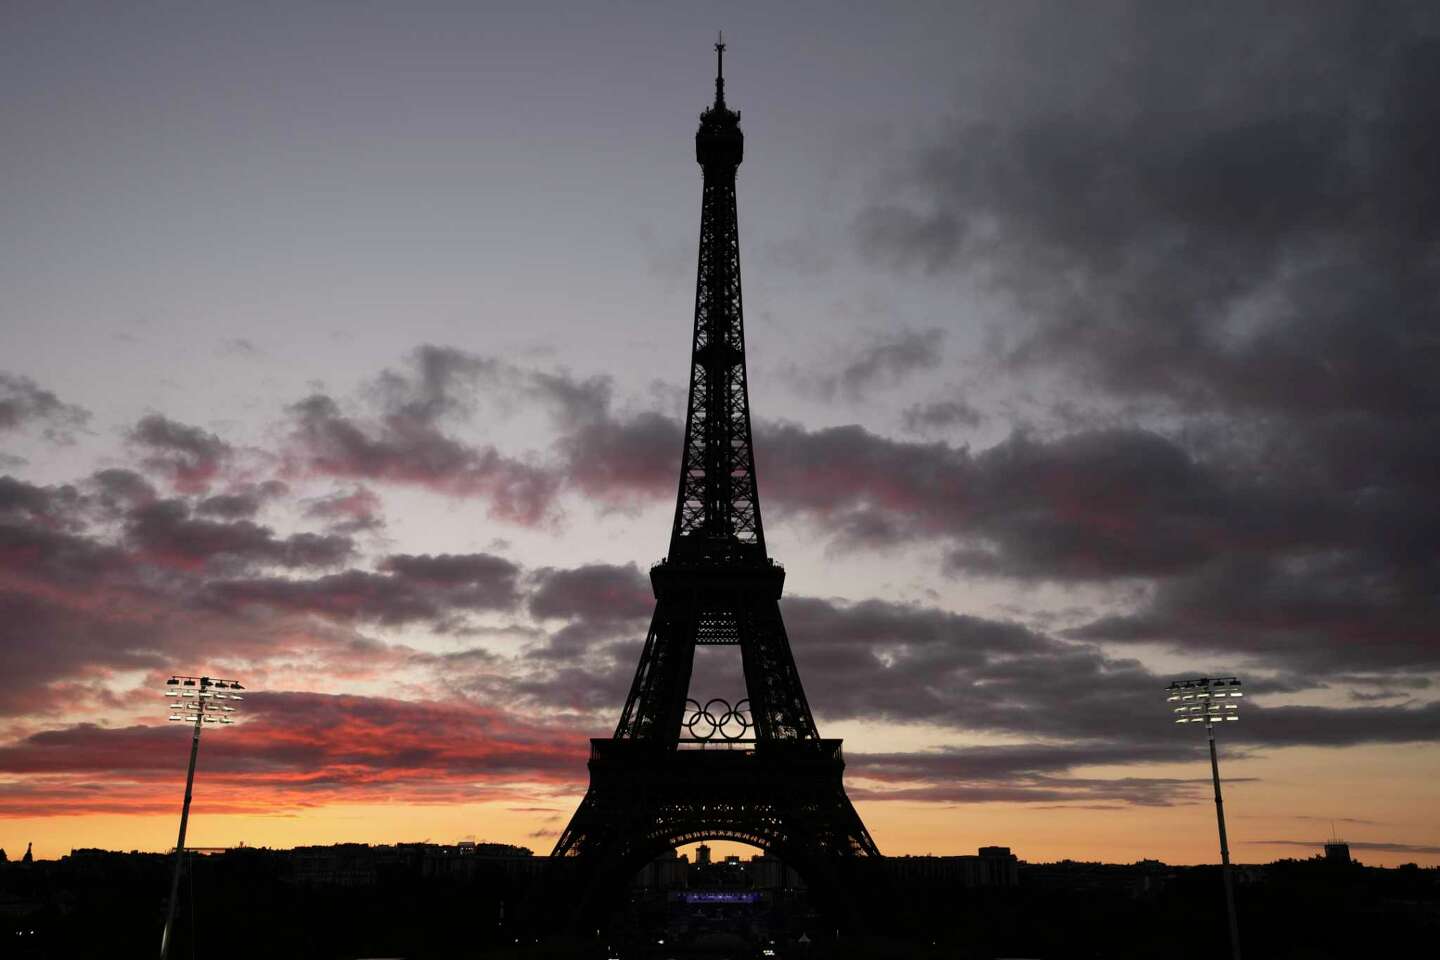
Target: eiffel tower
point(678, 770)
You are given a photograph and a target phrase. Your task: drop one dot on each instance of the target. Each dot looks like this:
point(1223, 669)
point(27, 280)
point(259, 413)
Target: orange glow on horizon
point(1296, 794)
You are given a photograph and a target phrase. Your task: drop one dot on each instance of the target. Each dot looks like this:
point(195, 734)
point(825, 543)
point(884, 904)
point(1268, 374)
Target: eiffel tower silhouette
point(678, 770)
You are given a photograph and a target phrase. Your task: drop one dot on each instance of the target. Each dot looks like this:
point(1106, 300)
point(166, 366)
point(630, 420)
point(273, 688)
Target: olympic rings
point(724, 722)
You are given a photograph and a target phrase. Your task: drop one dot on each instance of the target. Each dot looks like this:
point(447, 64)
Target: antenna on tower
point(720, 69)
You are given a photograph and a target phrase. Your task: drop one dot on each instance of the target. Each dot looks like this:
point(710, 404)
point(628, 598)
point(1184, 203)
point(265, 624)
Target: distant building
point(470, 860)
point(668, 871)
point(702, 856)
point(998, 867)
point(769, 873)
point(1337, 851)
point(990, 867)
point(360, 865)
point(341, 864)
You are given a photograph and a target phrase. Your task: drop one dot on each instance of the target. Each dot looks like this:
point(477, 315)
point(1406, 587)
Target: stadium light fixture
point(196, 707)
point(1212, 701)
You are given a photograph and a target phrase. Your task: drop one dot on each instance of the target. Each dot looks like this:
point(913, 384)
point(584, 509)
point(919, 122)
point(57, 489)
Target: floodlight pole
point(1210, 699)
point(184, 821)
point(1224, 844)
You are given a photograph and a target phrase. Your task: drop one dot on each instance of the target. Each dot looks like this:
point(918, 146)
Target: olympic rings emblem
point(717, 720)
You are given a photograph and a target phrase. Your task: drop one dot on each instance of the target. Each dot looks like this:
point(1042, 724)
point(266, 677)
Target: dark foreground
point(246, 904)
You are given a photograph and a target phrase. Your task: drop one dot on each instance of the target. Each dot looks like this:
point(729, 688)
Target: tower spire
point(720, 70)
point(718, 510)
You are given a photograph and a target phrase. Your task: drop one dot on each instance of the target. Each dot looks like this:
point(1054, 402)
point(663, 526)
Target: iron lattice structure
point(772, 782)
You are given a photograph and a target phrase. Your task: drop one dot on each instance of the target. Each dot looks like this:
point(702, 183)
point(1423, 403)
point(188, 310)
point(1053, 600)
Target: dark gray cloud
point(880, 361)
point(572, 401)
point(24, 404)
point(1225, 216)
point(74, 606)
point(602, 604)
point(1245, 240)
point(412, 442)
point(408, 589)
point(889, 360)
point(1321, 613)
point(1226, 227)
point(437, 382)
point(1214, 156)
point(229, 506)
point(243, 501)
point(939, 416)
point(582, 679)
point(597, 591)
point(624, 461)
point(44, 642)
point(37, 546)
point(354, 510)
point(909, 663)
point(28, 503)
point(117, 491)
point(189, 457)
point(1097, 505)
point(615, 460)
point(166, 533)
point(465, 569)
point(411, 450)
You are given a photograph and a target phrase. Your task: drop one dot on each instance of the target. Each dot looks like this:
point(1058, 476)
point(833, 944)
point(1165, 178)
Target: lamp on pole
point(1212, 701)
point(197, 700)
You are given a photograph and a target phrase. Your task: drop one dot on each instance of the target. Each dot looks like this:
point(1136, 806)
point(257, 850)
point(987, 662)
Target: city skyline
point(346, 353)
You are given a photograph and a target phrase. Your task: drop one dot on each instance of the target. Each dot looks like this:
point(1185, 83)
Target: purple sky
point(344, 350)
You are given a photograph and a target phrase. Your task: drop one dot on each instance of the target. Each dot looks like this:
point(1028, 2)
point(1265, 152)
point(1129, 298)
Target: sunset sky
point(343, 352)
